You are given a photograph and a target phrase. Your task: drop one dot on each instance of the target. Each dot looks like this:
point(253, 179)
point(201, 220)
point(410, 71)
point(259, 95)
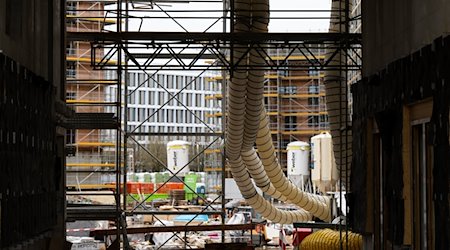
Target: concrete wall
point(29, 29)
point(394, 29)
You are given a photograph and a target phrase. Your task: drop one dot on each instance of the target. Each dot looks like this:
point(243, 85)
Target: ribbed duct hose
point(336, 98)
point(238, 87)
point(245, 101)
point(331, 240)
point(253, 107)
point(256, 170)
point(255, 87)
point(235, 123)
point(257, 202)
point(315, 204)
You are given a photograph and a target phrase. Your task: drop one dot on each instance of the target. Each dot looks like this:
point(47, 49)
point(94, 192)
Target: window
point(131, 97)
point(160, 98)
point(170, 81)
point(189, 100)
point(313, 72)
point(198, 98)
point(202, 83)
point(290, 123)
point(189, 82)
point(170, 116)
point(141, 114)
point(188, 118)
point(313, 89)
point(313, 101)
point(313, 121)
point(71, 71)
point(70, 136)
point(178, 82)
point(141, 97)
point(141, 79)
point(132, 80)
point(71, 8)
point(132, 114)
point(323, 119)
point(71, 95)
point(70, 48)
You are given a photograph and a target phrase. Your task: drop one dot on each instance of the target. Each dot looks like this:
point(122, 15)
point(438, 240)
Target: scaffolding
point(93, 137)
point(129, 37)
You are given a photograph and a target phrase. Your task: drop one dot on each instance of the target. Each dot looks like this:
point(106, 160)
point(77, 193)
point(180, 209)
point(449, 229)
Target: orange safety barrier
point(169, 186)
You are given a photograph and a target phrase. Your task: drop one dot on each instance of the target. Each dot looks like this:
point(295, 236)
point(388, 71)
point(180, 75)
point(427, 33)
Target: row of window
point(168, 81)
point(159, 97)
point(168, 129)
point(152, 115)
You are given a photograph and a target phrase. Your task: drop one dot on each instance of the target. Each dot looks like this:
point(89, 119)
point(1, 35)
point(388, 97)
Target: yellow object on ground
point(330, 239)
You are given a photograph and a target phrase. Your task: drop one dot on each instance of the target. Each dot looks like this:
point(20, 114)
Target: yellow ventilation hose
point(331, 240)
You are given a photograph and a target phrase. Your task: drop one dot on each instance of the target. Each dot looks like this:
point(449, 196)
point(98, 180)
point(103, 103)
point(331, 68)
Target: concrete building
point(152, 108)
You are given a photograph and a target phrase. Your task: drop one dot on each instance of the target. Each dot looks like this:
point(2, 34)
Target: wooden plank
point(370, 175)
point(407, 176)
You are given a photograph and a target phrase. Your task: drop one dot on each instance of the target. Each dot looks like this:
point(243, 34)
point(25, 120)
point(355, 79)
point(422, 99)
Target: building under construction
point(333, 139)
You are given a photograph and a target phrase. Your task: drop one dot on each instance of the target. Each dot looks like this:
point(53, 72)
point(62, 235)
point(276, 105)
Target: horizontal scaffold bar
point(194, 37)
point(140, 230)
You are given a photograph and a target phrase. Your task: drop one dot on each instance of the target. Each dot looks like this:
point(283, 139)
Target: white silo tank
point(298, 163)
point(324, 173)
point(178, 157)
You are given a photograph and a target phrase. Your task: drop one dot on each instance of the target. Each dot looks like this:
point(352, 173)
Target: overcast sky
point(160, 22)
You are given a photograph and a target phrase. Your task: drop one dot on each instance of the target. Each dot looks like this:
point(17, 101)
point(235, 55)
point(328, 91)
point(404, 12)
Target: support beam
point(142, 230)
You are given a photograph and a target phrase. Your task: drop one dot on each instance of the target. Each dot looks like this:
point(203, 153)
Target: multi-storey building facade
point(88, 149)
point(167, 102)
point(166, 106)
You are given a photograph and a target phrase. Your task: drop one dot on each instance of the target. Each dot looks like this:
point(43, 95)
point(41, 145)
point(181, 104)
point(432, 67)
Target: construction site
point(224, 124)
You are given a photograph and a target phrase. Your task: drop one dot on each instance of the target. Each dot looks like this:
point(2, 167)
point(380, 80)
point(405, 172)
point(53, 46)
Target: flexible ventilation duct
point(336, 98)
point(332, 240)
point(247, 124)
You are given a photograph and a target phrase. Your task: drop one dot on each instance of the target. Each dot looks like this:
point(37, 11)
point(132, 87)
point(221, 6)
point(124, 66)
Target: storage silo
point(178, 157)
point(324, 174)
point(298, 163)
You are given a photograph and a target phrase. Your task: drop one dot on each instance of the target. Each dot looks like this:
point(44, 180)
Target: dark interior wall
point(394, 29)
point(31, 142)
point(381, 98)
point(30, 176)
point(30, 33)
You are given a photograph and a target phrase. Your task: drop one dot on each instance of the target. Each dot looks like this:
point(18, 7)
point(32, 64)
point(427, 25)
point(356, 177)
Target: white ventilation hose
point(255, 87)
point(257, 172)
point(336, 98)
point(245, 95)
point(315, 204)
point(235, 123)
point(257, 202)
point(237, 90)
